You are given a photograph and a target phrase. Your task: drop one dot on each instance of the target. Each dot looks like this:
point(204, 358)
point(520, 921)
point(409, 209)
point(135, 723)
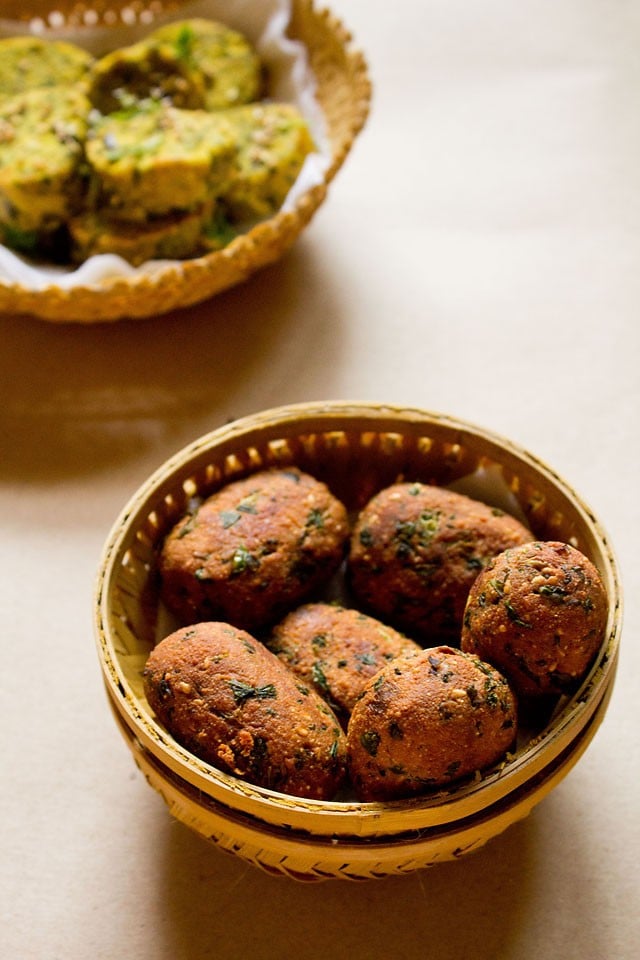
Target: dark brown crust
point(336, 650)
point(539, 612)
point(425, 721)
point(415, 551)
point(254, 550)
point(232, 703)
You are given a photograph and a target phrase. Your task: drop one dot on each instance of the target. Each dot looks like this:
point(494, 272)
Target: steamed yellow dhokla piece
point(158, 159)
point(41, 162)
point(142, 71)
point(193, 64)
point(174, 236)
point(28, 63)
point(226, 63)
point(166, 136)
point(273, 140)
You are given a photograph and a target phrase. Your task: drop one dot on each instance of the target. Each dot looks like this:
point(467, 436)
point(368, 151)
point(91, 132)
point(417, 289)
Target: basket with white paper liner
point(310, 61)
point(356, 449)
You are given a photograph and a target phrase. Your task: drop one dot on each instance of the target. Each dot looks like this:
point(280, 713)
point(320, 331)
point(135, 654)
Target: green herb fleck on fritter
point(514, 616)
point(228, 518)
point(315, 518)
point(243, 560)
point(318, 675)
point(244, 691)
point(370, 740)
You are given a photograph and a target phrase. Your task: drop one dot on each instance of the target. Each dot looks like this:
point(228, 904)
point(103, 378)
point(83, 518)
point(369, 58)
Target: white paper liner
point(290, 80)
point(487, 484)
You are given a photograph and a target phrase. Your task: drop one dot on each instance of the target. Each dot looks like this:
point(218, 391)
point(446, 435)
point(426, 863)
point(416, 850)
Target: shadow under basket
point(356, 449)
point(342, 92)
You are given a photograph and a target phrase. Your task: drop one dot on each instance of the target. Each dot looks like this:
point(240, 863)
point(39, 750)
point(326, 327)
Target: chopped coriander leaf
point(370, 740)
point(228, 518)
point(242, 560)
point(244, 691)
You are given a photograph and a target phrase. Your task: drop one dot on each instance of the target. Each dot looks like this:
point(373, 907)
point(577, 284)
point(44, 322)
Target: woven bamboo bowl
point(356, 449)
point(342, 91)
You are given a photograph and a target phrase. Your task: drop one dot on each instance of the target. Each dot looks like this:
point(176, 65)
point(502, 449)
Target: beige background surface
point(478, 255)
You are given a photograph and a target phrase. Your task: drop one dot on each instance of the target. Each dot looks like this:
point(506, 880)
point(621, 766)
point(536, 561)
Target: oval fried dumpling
point(336, 650)
point(254, 550)
point(539, 612)
point(415, 551)
point(230, 702)
point(426, 721)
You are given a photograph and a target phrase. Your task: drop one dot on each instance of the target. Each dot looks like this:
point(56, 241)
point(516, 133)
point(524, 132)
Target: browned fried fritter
point(538, 612)
point(228, 700)
point(425, 721)
point(415, 551)
point(254, 550)
point(336, 649)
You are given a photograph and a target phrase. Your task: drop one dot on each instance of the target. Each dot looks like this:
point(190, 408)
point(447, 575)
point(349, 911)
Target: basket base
point(284, 852)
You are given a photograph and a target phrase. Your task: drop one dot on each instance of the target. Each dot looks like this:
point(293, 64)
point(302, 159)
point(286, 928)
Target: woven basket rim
point(579, 708)
point(366, 847)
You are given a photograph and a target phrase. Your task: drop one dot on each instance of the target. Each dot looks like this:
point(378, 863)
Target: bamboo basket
point(343, 93)
point(357, 449)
